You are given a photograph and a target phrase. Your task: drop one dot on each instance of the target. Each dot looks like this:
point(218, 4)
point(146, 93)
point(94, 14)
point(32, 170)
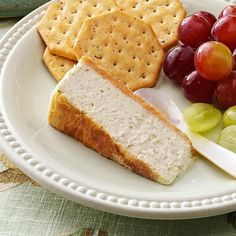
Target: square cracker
point(63, 19)
point(58, 66)
point(123, 45)
point(163, 15)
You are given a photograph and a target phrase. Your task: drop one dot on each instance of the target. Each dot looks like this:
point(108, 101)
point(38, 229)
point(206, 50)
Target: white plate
point(66, 167)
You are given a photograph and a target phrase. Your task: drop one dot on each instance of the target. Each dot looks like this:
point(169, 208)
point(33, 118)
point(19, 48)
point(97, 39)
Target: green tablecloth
point(32, 210)
point(27, 210)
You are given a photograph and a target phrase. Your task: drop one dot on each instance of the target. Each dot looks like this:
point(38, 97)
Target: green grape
point(228, 138)
point(202, 117)
point(230, 116)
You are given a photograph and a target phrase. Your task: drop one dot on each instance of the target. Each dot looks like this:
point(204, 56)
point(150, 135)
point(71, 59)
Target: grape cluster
point(204, 62)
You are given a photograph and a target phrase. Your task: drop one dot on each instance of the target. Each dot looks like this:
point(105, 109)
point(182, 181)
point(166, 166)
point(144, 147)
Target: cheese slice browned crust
point(106, 116)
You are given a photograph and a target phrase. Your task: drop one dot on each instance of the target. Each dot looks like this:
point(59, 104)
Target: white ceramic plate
point(66, 167)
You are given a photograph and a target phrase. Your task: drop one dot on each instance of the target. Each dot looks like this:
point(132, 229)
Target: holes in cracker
point(69, 20)
point(177, 17)
point(99, 57)
point(74, 11)
point(94, 28)
point(114, 63)
point(152, 52)
point(143, 76)
point(89, 15)
point(62, 65)
point(135, 5)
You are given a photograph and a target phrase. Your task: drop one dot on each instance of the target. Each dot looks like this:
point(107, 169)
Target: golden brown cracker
point(125, 46)
point(58, 66)
point(163, 15)
point(63, 19)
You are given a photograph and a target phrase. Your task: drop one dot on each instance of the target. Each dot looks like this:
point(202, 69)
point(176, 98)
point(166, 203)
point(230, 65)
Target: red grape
point(178, 63)
point(224, 31)
point(198, 89)
point(213, 61)
point(194, 30)
point(210, 18)
point(228, 11)
point(225, 93)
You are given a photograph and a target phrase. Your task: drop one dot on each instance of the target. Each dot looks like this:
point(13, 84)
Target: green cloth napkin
point(17, 8)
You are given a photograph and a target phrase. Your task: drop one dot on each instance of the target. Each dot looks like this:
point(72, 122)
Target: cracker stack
point(63, 19)
point(128, 44)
